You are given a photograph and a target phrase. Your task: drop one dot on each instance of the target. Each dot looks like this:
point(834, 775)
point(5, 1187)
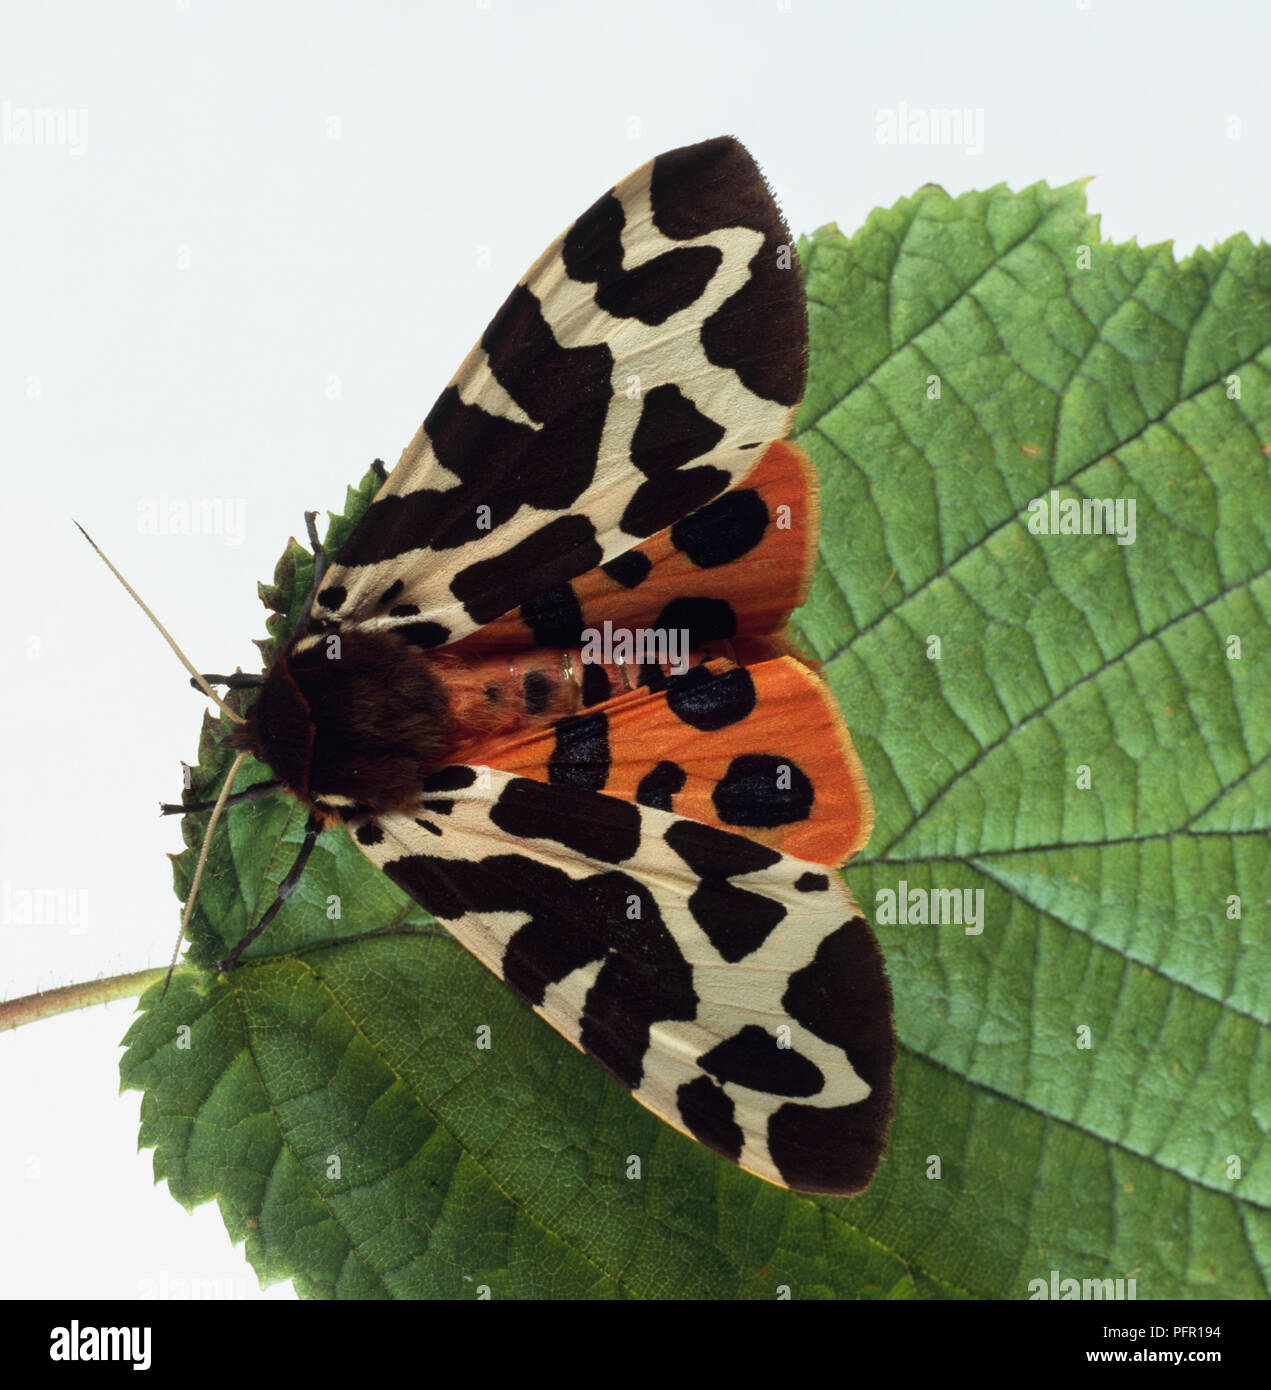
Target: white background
point(252, 270)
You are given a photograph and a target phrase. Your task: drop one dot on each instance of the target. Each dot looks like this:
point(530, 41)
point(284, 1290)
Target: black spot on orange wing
point(842, 996)
point(753, 792)
point(705, 619)
point(753, 1058)
point(658, 786)
point(653, 676)
point(710, 700)
point(596, 687)
point(724, 530)
point(707, 1113)
point(581, 755)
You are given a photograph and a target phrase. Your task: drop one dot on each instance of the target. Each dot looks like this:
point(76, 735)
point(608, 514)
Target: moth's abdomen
point(501, 693)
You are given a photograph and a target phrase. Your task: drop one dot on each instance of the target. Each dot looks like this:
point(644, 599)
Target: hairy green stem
point(15, 1012)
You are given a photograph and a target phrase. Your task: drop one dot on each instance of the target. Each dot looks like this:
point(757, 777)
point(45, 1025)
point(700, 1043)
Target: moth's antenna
point(167, 637)
point(203, 849)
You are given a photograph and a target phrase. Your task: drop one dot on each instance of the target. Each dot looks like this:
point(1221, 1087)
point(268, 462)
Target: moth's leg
point(240, 680)
point(169, 808)
point(285, 889)
point(319, 557)
point(319, 573)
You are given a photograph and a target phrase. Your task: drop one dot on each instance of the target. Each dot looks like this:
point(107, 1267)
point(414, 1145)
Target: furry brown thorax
point(353, 718)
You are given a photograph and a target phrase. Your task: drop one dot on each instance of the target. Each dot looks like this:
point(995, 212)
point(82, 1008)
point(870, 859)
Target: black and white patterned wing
point(637, 370)
point(738, 993)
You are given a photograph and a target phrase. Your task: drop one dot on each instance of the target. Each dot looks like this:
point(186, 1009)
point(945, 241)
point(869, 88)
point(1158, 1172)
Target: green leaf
point(331, 1097)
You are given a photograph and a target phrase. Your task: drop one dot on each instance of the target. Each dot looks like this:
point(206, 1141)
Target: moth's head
point(279, 730)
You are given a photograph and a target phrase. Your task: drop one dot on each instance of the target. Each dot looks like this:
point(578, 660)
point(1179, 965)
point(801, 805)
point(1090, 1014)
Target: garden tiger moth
point(545, 685)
